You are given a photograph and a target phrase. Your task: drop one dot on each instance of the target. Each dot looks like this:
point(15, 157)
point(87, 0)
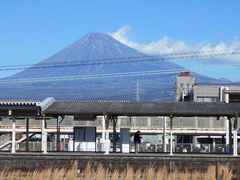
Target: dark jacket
point(137, 138)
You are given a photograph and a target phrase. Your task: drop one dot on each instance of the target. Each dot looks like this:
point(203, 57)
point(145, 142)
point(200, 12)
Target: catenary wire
point(115, 75)
point(136, 59)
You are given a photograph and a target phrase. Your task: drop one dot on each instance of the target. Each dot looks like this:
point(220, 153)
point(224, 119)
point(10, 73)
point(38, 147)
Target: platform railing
point(144, 147)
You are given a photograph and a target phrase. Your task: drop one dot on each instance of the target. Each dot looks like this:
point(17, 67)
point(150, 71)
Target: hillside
point(95, 54)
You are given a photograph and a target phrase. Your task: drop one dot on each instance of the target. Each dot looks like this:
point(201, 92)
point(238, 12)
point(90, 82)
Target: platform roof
point(153, 108)
point(19, 109)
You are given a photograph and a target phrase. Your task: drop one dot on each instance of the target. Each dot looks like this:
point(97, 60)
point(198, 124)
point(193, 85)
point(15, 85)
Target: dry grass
point(102, 173)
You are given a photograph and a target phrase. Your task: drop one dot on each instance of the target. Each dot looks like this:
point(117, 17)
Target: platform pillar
point(164, 134)
point(227, 131)
point(235, 153)
point(27, 134)
point(114, 120)
point(230, 135)
point(107, 140)
point(171, 138)
point(13, 135)
point(44, 136)
point(103, 129)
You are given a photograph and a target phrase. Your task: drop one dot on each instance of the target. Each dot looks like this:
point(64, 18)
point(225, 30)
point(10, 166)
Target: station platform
point(37, 160)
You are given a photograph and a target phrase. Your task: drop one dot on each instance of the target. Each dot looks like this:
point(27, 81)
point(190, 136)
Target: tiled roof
point(127, 108)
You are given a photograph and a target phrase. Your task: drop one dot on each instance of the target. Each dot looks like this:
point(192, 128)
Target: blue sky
point(31, 31)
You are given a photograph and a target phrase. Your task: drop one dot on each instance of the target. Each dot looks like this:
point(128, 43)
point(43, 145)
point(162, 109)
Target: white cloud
point(169, 45)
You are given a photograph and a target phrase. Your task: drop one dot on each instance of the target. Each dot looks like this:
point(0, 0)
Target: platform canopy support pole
point(103, 133)
point(44, 136)
point(164, 134)
point(114, 120)
point(225, 98)
point(171, 136)
point(227, 131)
point(27, 134)
point(235, 153)
point(107, 140)
point(13, 135)
point(230, 135)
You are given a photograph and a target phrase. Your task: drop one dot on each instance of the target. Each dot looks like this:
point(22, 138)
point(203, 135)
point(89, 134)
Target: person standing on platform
point(137, 141)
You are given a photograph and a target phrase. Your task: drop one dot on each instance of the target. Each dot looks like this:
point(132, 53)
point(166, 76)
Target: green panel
point(80, 123)
point(6, 122)
point(52, 122)
point(204, 122)
point(68, 121)
point(187, 121)
point(126, 122)
point(156, 122)
point(33, 122)
point(141, 122)
point(21, 122)
point(218, 123)
point(176, 122)
point(99, 122)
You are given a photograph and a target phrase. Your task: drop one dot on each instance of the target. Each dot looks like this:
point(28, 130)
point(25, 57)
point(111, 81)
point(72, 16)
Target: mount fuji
point(92, 56)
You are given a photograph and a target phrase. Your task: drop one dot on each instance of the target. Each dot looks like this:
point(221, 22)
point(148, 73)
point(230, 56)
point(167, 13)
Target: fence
point(144, 147)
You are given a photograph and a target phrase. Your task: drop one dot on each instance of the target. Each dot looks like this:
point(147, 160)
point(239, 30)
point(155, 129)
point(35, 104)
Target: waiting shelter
point(110, 110)
point(19, 110)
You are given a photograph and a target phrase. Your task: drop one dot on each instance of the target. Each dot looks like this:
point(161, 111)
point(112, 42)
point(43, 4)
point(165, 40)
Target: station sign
point(85, 117)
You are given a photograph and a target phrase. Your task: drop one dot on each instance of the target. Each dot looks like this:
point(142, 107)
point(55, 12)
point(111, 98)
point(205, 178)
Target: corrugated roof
point(127, 108)
point(19, 102)
point(232, 91)
point(19, 108)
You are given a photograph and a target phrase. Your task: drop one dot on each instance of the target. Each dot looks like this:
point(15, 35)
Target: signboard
point(85, 117)
point(84, 139)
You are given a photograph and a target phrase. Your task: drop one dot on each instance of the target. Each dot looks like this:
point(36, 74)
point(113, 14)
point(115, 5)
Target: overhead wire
point(116, 75)
point(131, 59)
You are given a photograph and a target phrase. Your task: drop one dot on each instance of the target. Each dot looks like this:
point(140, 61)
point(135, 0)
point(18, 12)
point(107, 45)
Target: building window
point(207, 99)
point(182, 85)
point(189, 85)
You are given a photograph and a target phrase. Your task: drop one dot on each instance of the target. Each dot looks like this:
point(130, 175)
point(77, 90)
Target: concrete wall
point(206, 91)
point(184, 84)
point(118, 161)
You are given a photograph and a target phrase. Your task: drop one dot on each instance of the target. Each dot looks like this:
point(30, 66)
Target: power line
point(114, 75)
point(136, 59)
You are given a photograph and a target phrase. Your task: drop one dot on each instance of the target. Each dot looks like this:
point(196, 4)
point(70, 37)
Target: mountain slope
point(95, 49)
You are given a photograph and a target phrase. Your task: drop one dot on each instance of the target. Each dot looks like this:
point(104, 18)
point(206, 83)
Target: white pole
point(107, 141)
point(103, 129)
point(171, 138)
point(171, 143)
point(149, 122)
point(235, 153)
point(225, 98)
point(196, 122)
point(13, 135)
point(226, 95)
point(164, 134)
point(227, 131)
point(44, 137)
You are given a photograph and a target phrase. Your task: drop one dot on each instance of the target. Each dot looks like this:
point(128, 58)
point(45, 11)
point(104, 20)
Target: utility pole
point(138, 93)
